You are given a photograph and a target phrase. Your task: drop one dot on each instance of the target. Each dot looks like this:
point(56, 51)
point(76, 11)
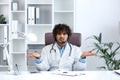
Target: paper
point(68, 73)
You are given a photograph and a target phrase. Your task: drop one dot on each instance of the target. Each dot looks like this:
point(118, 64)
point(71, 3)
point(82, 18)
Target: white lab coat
point(53, 61)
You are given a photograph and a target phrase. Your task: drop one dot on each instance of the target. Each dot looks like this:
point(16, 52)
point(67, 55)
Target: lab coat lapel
point(57, 54)
point(65, 54)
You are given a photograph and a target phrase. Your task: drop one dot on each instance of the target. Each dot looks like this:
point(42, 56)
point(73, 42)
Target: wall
point(93, 17)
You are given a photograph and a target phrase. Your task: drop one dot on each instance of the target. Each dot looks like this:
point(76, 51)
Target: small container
point(14, 6)
point(16, 70)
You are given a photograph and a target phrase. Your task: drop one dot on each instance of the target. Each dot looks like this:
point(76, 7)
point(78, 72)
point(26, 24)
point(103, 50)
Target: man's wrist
point(83, 57)
point(37, 57)
point(38, 60)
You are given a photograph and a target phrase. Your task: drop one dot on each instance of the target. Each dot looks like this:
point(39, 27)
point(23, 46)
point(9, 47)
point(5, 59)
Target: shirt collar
point(62, 47)
point(61, 50)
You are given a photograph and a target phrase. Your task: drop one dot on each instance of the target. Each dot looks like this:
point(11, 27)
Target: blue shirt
point(61, 50)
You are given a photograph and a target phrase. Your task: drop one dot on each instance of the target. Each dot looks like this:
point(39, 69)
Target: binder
point(37, 15)
point(1, 34)
point(31, 15)
point(5, 34)
point(14, 28)
point(5, 42)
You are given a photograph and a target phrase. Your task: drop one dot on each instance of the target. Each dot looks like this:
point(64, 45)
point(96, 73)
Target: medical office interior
point(21, 32)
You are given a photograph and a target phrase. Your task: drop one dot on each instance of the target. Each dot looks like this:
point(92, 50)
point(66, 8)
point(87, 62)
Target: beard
point(62, 41)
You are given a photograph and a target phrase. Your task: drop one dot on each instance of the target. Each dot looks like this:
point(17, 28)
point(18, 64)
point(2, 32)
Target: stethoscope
point(52, 49)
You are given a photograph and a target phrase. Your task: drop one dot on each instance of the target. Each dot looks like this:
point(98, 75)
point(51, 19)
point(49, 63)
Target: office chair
point(75, 39)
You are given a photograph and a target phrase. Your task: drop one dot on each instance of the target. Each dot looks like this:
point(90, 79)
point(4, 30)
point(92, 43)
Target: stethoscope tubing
point(52, 48)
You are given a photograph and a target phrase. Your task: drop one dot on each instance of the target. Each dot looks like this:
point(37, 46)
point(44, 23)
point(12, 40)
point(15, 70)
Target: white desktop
point(61, 75)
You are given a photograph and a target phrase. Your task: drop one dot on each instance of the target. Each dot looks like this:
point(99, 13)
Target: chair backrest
point(75, 39)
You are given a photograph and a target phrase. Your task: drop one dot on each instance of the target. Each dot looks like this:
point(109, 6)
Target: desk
point(44, 75)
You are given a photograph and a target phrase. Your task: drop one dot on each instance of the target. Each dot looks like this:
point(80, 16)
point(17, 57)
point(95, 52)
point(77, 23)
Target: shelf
point(4, 66)
point(63, 11)
point(39, 4)
point(39, 1)
point(39, 24)
point(4, 4)
point(19, 11)
point(18, 52)
point(35, 43)
point(18, 38)
point(4, 24)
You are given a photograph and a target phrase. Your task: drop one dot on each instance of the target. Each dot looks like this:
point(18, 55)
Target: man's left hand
point(87, 53)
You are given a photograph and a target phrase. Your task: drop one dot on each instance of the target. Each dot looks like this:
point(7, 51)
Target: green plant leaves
point(107, 51)
point(2, 19)
point(98, 38)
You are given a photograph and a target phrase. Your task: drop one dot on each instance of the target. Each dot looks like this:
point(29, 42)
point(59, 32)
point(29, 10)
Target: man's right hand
point(34, 55)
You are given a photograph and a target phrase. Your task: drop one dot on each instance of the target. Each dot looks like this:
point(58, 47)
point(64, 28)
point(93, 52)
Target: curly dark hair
point(61, 28)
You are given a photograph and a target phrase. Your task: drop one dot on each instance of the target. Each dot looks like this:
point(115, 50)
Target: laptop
point(117, 71)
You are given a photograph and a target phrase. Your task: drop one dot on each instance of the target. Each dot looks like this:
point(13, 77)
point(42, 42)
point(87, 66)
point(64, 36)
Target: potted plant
point(108, 51)
point(2, 19)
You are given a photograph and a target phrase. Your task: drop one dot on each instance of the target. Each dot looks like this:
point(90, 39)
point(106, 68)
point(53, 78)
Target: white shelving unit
point(34, 17)
point(4, 34)
point(17, 31)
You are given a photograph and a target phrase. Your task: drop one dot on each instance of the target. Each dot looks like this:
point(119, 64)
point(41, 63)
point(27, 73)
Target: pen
point(17, 67)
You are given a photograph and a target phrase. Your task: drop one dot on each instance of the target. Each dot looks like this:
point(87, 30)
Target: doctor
point(61, 55)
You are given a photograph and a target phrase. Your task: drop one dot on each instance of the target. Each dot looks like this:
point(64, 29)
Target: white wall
point(93, 17)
